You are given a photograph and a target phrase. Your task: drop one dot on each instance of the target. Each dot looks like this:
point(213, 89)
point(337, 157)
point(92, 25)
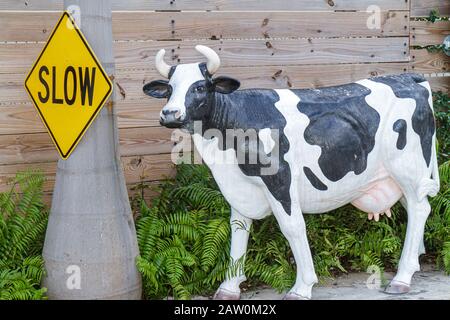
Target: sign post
point(90, 246)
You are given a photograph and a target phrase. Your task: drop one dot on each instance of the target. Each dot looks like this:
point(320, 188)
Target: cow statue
point(370, 143)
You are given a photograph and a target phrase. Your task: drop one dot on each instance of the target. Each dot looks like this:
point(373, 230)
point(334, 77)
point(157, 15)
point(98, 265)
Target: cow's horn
point(213, 63)
point(162, 67)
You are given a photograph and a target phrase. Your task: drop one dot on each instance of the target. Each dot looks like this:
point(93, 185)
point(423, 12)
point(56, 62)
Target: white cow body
point(374, 190)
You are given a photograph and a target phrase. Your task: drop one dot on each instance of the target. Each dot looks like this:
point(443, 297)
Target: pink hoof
point(294, 296)
point(224, 294)
point(397, 287)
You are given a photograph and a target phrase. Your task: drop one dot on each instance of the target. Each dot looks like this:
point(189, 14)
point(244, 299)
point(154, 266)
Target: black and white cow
point(370, 143)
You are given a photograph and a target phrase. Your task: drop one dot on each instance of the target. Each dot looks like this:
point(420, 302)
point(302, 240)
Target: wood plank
point(425, 33)
point(422, 8)
point(38, 147)
point(23, 118)
point(147, 190)
point(136, 169)
point(207, 25)
point(31, 5)
point(147, 25)
point(427, 62)
point(268, 52)
point(440, 84)
point(147, 168)
point(18, 57)
point(138, 110)
point(241, 5)
point(276, 77)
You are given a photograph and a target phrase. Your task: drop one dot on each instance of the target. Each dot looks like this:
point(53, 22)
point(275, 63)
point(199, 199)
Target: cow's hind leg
point(422, 243)
point(418, 212)
point(240, 228)
point(293, 228)
point(413, 177)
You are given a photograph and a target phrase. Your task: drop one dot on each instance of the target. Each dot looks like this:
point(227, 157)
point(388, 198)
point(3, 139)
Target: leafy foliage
point(23, 220)
point(441, 104)
point(437, 232)
point(184, 239)
point(434, 48)
point(435, 16)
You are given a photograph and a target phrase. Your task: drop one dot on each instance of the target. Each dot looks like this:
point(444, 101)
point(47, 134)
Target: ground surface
point(426, 285)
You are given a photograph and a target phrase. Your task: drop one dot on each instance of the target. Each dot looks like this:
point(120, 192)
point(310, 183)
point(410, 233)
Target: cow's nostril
point(168, 112)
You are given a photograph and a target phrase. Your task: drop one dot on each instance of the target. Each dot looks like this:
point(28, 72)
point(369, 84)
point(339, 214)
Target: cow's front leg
point(293, 228)
point(240, 228)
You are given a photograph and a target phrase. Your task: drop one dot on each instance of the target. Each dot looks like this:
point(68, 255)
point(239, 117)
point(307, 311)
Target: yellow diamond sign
point(67, 85)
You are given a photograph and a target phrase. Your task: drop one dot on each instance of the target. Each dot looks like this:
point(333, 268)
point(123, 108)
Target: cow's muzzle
point(171, 119)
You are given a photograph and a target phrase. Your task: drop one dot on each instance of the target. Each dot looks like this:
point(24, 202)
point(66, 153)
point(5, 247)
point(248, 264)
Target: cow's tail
point(430, 187)
point(435, 169)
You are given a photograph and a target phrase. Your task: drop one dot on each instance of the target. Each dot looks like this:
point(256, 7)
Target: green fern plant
point(23, 221)
point(437, 232)
point(441, 105)
point(184, 237)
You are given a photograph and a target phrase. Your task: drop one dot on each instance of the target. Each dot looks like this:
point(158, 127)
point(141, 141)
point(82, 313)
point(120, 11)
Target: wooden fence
point(264, 43)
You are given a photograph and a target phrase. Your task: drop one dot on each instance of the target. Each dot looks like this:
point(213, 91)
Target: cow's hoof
point(294, 296)
point(397, 287)
point(224, 294)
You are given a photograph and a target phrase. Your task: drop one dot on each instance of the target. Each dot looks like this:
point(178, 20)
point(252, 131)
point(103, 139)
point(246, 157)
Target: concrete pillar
point(90, 246)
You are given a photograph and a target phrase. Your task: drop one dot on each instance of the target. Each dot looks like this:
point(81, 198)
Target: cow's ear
point(225, 84)
point(157, 89)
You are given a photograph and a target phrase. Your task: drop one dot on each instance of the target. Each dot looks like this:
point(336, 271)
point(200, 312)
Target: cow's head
point(190, 90)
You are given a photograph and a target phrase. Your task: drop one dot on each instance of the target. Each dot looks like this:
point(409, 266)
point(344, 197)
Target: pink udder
point(379, 197)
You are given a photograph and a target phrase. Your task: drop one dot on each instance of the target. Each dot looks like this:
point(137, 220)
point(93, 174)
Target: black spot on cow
point(316, 183)
point(400, 127)
point(407, 86)
point(342, 124)
point(253, 110)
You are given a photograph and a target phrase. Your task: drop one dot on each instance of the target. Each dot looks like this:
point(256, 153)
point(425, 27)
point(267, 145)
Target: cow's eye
point(200, 89)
